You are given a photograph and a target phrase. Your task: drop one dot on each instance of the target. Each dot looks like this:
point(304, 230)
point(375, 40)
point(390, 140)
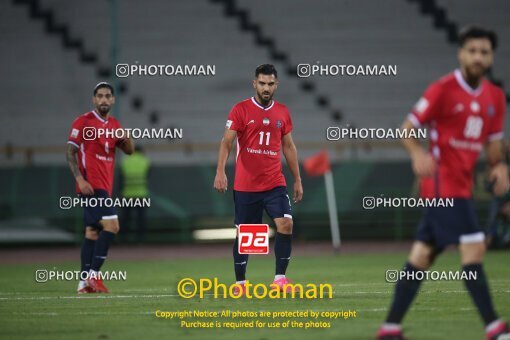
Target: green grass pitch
point(442, 310)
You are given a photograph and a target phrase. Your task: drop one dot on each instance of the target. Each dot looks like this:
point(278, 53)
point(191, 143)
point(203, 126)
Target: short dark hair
point(475, 32)
point(102, 85)
point(266, 69)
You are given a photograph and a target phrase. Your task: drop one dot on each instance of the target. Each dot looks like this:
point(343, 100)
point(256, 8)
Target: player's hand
point(84, 186)
point(124, 133)
point(298, 191)
point(499, 176)
point(424, 165)
point(220, 182)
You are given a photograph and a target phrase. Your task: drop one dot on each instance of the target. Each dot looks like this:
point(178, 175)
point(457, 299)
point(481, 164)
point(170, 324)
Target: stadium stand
point(494, 17)
point(198, 106)
point(55, 52)
point(206, 33)
point(354, 37)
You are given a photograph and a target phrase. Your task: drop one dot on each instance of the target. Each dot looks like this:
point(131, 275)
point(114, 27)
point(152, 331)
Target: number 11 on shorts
point(253, 239)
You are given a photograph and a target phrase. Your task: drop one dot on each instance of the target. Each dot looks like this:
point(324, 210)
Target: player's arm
point(290, 153)
point(426, 110)
point(424, 164)
point(127, 145)
point(84, 186)
point(220, 181)
point(498, 174)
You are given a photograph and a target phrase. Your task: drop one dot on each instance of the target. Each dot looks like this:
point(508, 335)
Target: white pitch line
point(93, 296)
point(157, 296)
point(85, 313)
point(422, 292)
point(420, 309)
point(369, 292)
point(89, 297)
point(356, 284)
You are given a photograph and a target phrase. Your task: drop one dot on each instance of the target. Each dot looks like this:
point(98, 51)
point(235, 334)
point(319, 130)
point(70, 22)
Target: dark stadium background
point(54, 52)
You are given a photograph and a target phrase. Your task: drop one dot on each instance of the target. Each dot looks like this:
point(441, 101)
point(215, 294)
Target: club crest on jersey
point(475, 107)
point(266, 121)
point(278, 124)
point(458, 108)
point(490, 110)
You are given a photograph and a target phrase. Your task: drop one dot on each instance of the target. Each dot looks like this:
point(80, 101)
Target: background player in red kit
point(91, 157)
point(464, 113)
point(263, 129)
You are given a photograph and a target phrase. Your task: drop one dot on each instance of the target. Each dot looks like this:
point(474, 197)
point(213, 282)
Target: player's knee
point(472, 253)
point(422, 256)
point(285, 226)
point(114, 228)
point(111, 225)
point(420, 262)
point(91, 234)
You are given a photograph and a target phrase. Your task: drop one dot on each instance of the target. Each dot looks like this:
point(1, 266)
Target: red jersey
point(96, 155)
point(259, 139)
point(461, 120)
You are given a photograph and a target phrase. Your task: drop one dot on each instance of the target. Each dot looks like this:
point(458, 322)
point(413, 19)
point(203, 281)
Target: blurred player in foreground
point(91, 159)
point(464, 113)
point(263, 129)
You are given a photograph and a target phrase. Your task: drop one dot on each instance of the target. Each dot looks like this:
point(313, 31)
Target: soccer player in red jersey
point(263, 129)
point(91, 156)
point(464, 113)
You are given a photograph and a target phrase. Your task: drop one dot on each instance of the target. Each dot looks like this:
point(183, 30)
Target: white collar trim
point(262, 107)
point(99, 117)
point(460, 79)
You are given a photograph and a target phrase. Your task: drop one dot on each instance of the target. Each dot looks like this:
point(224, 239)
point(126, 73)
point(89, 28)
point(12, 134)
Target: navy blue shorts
point(442, 226)
point(250, 206)
point(92, 215)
